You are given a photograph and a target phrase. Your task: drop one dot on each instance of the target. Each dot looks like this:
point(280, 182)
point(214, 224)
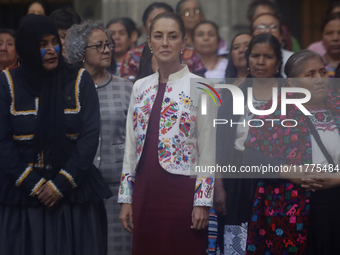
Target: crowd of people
point(86, 112)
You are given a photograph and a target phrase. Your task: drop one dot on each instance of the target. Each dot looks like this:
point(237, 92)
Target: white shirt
point(285, 56)
point(218, 71)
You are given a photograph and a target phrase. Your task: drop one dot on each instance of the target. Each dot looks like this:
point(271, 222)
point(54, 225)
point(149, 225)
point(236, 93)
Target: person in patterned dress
point(233, 196)
point(287, 217)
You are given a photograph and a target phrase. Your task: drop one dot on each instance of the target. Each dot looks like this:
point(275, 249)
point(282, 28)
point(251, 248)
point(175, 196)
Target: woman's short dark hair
point(253, 6)
point(65, 18)
point(267, 14)
point(155, 5)
point(296, 62)
point(331, 7)
point(329, 18)
point(210, 23)
point(273, 43)
point(9, 31)
point(42, 3)
point(231, 71)
point(169, 15)
point(180, 3)
point(128, 23)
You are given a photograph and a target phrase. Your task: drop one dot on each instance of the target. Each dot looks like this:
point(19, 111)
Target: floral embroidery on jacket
point(204, 187)
point(168, 115)
point(128, 180)
point(178, 140)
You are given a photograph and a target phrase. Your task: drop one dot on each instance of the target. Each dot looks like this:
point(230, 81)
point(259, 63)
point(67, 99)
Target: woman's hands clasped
point(313, 180)
point(47, 195)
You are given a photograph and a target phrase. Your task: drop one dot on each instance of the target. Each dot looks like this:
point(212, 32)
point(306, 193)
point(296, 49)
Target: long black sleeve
point(12, 166)
point(86, 145)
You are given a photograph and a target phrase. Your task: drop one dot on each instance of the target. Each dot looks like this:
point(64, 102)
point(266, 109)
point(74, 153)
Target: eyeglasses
point(263, 28)
point(193, 12)
point(101, 47)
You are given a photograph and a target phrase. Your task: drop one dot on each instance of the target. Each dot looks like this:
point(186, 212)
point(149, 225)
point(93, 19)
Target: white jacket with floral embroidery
point(186, 138)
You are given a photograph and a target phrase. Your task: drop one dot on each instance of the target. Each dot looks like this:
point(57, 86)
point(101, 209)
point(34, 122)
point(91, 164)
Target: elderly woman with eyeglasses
point(90, 44)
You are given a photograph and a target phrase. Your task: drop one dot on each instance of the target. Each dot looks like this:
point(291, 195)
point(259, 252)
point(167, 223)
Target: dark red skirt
point(163, 203)
point(162, 207)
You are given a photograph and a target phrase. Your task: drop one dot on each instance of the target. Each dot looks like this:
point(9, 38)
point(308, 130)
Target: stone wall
point(230, 15)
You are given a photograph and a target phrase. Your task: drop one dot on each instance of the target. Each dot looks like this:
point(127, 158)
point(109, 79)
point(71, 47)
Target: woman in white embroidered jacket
point(167, 138)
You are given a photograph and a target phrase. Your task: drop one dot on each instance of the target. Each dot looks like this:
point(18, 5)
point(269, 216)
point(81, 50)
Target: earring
point(248, 69)
point(84, 60)
point(277, 71)
point(182, 52)
point(151, 51)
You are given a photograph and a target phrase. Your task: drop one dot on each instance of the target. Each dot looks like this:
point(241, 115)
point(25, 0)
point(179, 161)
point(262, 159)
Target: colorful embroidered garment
point(186, 138)
point(322, 119)
point(330, 70)
point(280, 210)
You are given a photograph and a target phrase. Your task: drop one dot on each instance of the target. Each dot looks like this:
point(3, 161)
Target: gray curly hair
point(77, 38)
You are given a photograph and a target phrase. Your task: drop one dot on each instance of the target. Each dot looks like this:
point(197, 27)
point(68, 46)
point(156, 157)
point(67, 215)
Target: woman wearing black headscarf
point(50, 192)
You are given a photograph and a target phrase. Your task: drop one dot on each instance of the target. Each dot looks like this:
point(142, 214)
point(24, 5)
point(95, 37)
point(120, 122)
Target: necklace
point(105, 84)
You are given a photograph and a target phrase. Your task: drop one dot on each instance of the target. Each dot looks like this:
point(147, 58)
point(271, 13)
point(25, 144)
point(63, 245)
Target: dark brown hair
point(210, 23)
point(329, 18)
point(169, 15)
point(274, 44)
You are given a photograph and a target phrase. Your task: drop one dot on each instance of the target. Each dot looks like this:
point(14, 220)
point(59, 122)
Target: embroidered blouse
point(186, 137)
point(324, 123)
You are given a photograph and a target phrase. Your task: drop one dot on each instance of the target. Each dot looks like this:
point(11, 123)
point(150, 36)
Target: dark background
point(11, 11)
point(303, 17)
